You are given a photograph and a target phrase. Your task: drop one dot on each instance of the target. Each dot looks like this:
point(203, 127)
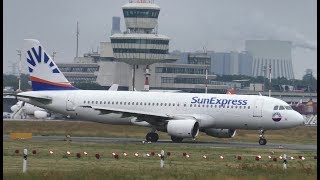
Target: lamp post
point(19, 54)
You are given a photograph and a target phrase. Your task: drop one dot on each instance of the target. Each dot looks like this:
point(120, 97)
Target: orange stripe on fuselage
point(67, 84)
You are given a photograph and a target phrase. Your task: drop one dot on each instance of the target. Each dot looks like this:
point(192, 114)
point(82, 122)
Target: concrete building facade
point(274, 53)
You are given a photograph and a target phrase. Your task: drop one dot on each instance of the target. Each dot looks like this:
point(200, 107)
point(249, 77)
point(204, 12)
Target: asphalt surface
point(185, 142)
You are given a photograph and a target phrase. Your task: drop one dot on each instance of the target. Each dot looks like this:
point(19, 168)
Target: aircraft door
point(70, 104)
point(257, 109)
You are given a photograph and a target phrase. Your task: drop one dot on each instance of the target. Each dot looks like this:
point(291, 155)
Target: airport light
point(51, 152)
point(269, 157)
point(221, 157)
point(280, 157)
point(148, 155)
point(187, 156)
point(125, 154)
point(292, 158)
point(85, 153)
point(136, 154)
point(68, 152)
point(204, 157)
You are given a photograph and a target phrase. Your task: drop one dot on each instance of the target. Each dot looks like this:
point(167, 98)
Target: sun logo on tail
point(38, 57)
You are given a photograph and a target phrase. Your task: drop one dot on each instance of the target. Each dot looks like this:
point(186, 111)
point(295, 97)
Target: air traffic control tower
point(140, 45)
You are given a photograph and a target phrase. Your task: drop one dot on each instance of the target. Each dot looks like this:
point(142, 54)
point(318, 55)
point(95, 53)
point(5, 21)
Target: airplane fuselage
point(210, 110)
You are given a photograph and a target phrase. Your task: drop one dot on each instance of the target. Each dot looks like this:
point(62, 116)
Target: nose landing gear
point(262, 139)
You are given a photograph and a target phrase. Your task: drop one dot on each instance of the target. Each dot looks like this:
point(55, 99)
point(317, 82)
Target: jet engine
point(40, 114)
point(183, 128)
point(220, 133)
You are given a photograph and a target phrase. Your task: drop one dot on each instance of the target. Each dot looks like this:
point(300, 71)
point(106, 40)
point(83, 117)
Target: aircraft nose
point(300, 119)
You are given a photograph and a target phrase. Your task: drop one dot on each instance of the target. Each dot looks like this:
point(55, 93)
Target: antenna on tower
point(77, 38)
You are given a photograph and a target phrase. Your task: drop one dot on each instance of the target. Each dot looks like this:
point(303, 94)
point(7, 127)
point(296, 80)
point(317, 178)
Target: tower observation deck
point(140, 44)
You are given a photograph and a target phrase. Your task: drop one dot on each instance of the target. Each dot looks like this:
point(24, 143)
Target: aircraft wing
point(41, 99)
point(150, 117)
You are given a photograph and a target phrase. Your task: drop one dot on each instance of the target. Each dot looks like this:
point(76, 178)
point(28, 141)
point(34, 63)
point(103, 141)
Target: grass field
point(301, 135)
point(43, 165)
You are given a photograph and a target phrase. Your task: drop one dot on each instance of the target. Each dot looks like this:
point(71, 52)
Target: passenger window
point(185, 105)
point(132, 103)
point(276, 108)
point(244, 107)
point(152, 104)
point(240, 107)
point(108, 102)
point(120, 103)
point(215, 106)
point(141, 103)
point(248, 107)
point(145, 104)
point(128, 103)
point(281, 108)
point(149, 104)
point(288, 107)
point(165, 104)
point(173, 104)
point(84, 102)
point(161, 104)
point(124, 103)
point(117, 102)
point(203, 105)
point(190, 105)
point(236, 107)
point(137, 103)
point(211, 106)
point(104, 102)
point(231, 106)
point(199, 105)
point(157, 104)
point(96, 102)
point(92, 102)
point(227, 106)
point(100, 102)
point(169, 104)
point(88, 102)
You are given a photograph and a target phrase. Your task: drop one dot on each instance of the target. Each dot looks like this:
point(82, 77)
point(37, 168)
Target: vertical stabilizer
point(44, 73)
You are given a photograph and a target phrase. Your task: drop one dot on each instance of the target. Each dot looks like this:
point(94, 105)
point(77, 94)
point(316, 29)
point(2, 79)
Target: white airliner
point(181, 115)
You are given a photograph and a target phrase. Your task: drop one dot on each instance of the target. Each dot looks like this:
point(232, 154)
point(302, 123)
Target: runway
point(185, 142)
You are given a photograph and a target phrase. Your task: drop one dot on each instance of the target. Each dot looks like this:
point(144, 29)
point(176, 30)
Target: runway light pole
point(19, 54)
point(24, 162)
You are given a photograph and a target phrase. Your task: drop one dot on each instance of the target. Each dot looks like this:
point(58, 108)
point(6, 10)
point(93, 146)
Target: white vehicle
point(181, 115)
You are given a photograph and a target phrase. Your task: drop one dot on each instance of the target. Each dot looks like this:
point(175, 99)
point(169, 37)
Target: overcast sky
point(218, 25)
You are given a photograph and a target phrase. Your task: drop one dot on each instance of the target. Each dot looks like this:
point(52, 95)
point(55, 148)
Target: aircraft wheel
point(262, 141)
point(176, 139)
point(152, 137)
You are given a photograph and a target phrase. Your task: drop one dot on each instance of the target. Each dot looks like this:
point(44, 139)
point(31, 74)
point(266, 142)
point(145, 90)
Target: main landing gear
point(152, 137)
point(262, 139)
point(176, 139)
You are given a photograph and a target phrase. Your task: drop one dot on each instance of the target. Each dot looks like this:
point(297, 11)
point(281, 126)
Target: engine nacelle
point(183, 128)
point(40, 114)
point(220, 133)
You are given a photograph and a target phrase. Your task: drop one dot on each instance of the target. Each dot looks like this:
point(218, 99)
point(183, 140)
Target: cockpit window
point(276, 108)
point(288, 107)
point(281, 108)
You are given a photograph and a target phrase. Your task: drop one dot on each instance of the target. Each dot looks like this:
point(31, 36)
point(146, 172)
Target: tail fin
point(44, 73)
